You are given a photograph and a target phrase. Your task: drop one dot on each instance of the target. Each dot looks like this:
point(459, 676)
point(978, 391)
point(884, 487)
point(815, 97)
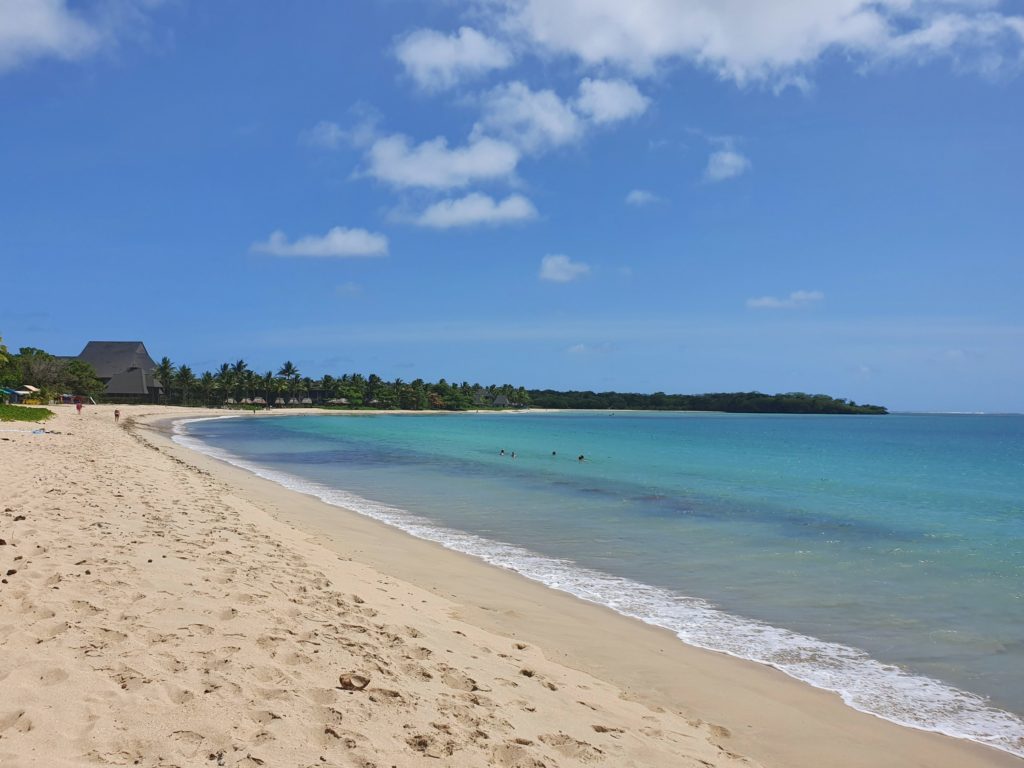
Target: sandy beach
point(161, 608)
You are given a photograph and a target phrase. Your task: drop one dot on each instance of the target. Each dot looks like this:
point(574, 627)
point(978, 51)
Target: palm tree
point(207, 383)
point(164, 373)
point(328, 387)
point(372, 387)
point(290, 374)
point(239, 369)
point(186, 380)
point(251, 383)
point(225, 381)
point(269, 387)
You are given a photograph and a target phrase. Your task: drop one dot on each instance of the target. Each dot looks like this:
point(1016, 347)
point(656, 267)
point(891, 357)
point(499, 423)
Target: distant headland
point(123, 372)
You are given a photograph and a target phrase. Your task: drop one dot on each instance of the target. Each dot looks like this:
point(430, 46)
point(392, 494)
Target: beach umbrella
point(279, 401)
point(307, 401)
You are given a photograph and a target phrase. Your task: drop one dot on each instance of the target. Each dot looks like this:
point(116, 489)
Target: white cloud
point(34, 29)
point(642, 197)
point(325, 134)
point(538, 120)
point(561, 269)
point(725, 164)
point(329, 135)
point(476, 208)
point(532, 120)
point(339, 242)
point(437, 61)
point(39, 29)
point(793, 301)
point(608, 101)
point(434, 165)
point(749, 41)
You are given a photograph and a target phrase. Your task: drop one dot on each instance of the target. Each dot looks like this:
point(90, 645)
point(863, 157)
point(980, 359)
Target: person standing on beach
point(78, 407)
point(117, 415)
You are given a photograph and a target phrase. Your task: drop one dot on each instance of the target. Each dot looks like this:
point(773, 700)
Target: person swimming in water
point(501, 452)
point(581, 458)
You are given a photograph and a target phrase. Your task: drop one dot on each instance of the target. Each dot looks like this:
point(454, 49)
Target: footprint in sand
point(514, 755)
point(572, 748)
point(53, 676)
point(18, 720)
point(177, 695)
point(457, 680)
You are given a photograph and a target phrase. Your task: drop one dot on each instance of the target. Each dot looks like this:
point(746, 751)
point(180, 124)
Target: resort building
point(125, 367)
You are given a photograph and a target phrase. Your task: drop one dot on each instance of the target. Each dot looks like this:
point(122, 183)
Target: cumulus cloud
point(641, 197)
point(532, 120)
point(746, 41)
point(608, 101)
point(725, 164)
point(437, 61)
point(793, 301)
point(339, 242)
point(435, 165)
point(35, 29)
point(474, 209)
point(538, 120)
point(557, 268)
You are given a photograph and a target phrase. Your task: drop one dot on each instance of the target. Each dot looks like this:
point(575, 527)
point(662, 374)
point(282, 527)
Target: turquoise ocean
point(880, 557)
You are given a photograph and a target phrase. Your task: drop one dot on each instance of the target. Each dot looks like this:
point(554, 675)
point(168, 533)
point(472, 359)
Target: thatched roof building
point(125, 367)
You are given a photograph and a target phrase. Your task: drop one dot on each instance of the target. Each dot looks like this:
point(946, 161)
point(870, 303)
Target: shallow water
point(880, 557)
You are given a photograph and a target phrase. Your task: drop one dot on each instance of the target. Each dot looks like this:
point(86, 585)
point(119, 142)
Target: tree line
point(238, 384)
point(53, 375)
point(235, 383)
point(728, 402)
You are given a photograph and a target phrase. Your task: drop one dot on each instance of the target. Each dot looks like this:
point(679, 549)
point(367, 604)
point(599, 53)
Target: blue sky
point(674, 195)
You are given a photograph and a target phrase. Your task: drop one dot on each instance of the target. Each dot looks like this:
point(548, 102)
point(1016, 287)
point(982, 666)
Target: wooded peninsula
point(236, 385)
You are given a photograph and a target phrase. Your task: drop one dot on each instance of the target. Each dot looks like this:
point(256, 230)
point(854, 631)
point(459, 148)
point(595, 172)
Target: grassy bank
point(21, 413)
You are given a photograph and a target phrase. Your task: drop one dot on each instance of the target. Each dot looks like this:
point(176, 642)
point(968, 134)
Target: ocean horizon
point(879, 557)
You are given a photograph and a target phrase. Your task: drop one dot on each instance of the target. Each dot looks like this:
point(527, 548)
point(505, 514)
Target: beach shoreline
point(728, 707)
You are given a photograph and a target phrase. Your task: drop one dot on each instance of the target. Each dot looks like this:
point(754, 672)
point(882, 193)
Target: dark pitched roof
point(133, 382)
point(109, 358)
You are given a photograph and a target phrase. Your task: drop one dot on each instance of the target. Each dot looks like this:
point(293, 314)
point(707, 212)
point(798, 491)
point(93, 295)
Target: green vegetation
point(21, 413)
point(54, 376)
point(288, 387)
point(728, 402)
point(237, 385)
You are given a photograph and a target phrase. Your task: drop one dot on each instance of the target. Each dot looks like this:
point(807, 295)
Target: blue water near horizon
point(879, 557)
